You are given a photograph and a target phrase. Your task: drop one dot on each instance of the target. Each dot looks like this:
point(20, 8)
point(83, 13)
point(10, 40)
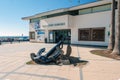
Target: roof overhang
point(97, 3)
point(45, 13)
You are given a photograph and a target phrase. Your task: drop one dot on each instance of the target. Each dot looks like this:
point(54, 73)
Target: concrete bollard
point(0, 43)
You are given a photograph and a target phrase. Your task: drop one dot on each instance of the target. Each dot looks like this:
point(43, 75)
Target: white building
point(87, 24)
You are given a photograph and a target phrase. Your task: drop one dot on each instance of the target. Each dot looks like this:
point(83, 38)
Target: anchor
point(56, 54)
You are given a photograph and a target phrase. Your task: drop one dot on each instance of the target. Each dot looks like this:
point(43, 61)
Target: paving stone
point(13, 65)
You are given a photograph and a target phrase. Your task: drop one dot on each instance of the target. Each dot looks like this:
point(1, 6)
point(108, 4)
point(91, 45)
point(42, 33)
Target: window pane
point(102, 8)
point(84, 34)
point(32, 35)
point(98, 34)
point(85, 11)
point(34, 20)
point(91, 34)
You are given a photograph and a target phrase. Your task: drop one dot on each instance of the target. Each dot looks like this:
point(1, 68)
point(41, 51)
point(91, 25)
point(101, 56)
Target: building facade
point(86, 24)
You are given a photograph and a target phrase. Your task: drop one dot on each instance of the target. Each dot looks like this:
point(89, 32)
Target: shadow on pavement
point(75, 61)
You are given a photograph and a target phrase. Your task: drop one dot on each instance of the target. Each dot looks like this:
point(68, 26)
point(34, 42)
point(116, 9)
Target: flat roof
point(82, 6)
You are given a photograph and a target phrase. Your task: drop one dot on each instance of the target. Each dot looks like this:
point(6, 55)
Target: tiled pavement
point(13, 58)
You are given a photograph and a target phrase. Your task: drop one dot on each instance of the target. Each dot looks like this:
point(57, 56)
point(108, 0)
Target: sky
point(11, 12)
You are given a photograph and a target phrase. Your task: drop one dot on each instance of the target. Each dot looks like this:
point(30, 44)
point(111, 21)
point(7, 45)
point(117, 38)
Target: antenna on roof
point(78, 1)
point(72, 0)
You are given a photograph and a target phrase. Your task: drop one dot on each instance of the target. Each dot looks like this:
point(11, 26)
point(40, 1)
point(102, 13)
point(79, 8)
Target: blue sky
point(11, 12)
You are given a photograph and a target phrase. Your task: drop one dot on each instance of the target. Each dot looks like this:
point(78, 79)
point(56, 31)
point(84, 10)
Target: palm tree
point(112, 28)
point(116, 49)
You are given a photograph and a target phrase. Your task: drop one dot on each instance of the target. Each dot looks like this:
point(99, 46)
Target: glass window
point(34, 20)
point(43, 17)
point(91, 34)
point(95, 9)
point(84, 34)
point(85, 11)
point(73, 13)
point(32, 35)
point(101, 8)
point(98, 34)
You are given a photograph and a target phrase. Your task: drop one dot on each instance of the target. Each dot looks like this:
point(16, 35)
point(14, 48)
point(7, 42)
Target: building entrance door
point(58, 34)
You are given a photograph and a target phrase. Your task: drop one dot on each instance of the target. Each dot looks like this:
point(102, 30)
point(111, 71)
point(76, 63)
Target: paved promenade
point(13, 58)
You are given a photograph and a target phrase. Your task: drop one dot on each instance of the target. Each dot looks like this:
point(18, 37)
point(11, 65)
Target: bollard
point(19, 41)
point(10, 42)
point(0, 42)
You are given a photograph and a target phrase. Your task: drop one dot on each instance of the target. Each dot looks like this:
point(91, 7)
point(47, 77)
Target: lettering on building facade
point(56, 24)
